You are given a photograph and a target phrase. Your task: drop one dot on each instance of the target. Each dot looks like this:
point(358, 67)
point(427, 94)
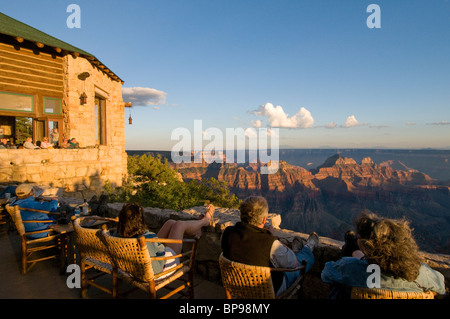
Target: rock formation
point(328, 198)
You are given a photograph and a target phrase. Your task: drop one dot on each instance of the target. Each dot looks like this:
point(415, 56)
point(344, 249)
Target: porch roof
point(23, 32)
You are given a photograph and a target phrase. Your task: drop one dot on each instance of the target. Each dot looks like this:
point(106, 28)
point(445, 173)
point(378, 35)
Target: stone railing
point(70, 170)
point(209, 245)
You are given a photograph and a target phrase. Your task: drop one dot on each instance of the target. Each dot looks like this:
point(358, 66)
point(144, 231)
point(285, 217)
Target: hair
point(389, 243)
point(253, 210)
point(131, 221)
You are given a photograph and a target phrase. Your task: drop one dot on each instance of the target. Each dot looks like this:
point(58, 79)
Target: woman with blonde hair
point(388, 243)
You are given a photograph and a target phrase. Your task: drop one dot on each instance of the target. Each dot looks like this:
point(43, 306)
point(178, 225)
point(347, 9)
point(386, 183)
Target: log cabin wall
point(24, 70)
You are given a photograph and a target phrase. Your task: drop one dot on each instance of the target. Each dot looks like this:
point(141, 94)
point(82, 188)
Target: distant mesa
point(397, 165)
point(327, 199)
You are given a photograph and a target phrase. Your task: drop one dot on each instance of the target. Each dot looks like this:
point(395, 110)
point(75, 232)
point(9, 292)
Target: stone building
point(48, 84)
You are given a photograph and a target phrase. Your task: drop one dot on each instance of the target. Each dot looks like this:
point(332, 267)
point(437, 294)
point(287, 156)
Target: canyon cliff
point(328, 198)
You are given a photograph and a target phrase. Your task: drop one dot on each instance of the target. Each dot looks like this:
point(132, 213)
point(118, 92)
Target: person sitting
point(73, 143)
point(389, 244)
point(29, 144)
point(45, 143)
point(250, 243)
point(131, 224)
point(65, 143)
point(5, 143)
point(54, 137)
point(25, 199)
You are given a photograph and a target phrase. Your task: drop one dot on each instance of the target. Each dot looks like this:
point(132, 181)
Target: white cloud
point(250, 132)
point(351, 121)
point(140, 96)
point(331, 125)
point(256, 124)
point(278, 118)
point(439, 123)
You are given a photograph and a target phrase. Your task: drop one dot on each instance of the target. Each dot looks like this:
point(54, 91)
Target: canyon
point(327, 198)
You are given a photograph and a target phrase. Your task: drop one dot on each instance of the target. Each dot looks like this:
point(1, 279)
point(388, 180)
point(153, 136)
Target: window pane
point(16, 102)
point(24, 129)
point(52, 105)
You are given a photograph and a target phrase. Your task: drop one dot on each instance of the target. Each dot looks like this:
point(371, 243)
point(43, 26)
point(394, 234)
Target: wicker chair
point(93, 254)
point(31, 246)
point(131, 256)
point(376, 293)
point(254, 282)
point(11, 212)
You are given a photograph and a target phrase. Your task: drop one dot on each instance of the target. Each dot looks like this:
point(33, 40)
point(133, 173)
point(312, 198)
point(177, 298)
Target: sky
point(314, 70)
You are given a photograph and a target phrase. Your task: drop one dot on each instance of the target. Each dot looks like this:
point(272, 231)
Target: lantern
point(130, 120)
point(83, 98)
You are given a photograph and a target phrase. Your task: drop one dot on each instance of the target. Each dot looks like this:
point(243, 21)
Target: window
point(16, 102)
point(100, 120)
point(52, 105)
point(24, 129)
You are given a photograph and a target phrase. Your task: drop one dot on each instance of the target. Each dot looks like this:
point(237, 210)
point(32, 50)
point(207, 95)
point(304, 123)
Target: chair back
point(20, 223)
point(130, 255)
point(377, 293)
point(11, 211)
point(17, 218)
point(90, 241)
point(246, 281)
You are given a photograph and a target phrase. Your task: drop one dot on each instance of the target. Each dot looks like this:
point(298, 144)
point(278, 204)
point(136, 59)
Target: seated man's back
point(248, 242)
point(25, 199)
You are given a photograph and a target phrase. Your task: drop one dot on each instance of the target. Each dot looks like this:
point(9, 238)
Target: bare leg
point(175, 229)
point(165, 229)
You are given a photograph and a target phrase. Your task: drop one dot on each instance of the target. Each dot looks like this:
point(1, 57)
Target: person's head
point(45, 139)
point(254, 210)
point(131, 221)
point(389, 243)
point(29, 139)
point(24, 191)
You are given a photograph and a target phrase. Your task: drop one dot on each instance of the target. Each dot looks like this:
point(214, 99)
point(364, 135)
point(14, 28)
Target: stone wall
point(79, 120)
point(72, 170)
point(209, 246)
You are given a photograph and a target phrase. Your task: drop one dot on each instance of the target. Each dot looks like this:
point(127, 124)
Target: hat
point(23, 190)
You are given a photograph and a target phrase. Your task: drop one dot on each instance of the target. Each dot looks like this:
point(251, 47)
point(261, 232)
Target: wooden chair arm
point(42, 221)
point(38, 232)
point(287, 269)
point(302, 267)
point(35, 210)
point(169, 241)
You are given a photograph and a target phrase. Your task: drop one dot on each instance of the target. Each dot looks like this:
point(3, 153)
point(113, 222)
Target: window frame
point(54, 99)
point(33, 106)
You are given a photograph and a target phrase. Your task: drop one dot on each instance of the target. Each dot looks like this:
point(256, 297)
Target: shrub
point(153, 183)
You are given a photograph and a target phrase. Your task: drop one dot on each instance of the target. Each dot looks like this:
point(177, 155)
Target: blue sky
point(257, 63)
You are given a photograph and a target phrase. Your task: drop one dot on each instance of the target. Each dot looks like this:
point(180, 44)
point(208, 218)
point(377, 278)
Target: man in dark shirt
point(250, 243)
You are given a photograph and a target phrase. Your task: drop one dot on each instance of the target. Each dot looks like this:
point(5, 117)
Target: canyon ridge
point(326, 199)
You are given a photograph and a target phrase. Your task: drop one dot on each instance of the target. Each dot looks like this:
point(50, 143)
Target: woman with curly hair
point(388, 243)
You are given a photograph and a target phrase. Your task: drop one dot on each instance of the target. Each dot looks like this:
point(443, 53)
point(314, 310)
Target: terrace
point(44, 281)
